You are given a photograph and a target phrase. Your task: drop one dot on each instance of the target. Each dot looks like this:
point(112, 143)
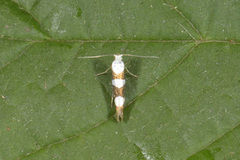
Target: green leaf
point(184, 105)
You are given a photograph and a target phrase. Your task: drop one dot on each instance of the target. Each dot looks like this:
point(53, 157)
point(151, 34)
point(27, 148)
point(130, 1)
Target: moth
point(118, 80)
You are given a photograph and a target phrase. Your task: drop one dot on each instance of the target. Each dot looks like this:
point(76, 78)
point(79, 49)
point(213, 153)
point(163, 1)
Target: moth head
point(118, 57)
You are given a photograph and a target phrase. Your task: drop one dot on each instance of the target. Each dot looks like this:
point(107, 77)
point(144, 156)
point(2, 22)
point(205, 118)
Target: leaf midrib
point(199, 41)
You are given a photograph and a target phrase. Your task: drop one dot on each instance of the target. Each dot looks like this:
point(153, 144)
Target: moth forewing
point(118, 83)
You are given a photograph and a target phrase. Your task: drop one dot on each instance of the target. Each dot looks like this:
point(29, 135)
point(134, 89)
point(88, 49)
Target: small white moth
point(118, 80)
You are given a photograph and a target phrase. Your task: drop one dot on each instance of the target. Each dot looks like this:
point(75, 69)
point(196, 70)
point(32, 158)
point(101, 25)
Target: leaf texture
point(184, 105)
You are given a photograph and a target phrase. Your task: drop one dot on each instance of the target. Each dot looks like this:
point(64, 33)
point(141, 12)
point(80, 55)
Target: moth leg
point(102, 72)
point(131, 73)
point(112, 101)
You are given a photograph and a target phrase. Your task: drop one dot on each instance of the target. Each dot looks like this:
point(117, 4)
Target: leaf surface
point(184, 105)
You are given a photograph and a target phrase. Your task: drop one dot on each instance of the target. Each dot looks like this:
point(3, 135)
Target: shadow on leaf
point(105, 80)
point(133, 65)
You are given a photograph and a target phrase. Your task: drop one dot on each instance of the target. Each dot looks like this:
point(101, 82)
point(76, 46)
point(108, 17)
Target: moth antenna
point(99, 56)
point(139, 56)
point(127, 55)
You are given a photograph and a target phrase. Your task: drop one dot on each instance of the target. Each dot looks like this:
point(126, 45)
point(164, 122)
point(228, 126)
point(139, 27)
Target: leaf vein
point(34, 18)
point(167, 74)
point(172, 6)
point(122, 41)
point(215, 140)
point(64, 140)
point(23, 52)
